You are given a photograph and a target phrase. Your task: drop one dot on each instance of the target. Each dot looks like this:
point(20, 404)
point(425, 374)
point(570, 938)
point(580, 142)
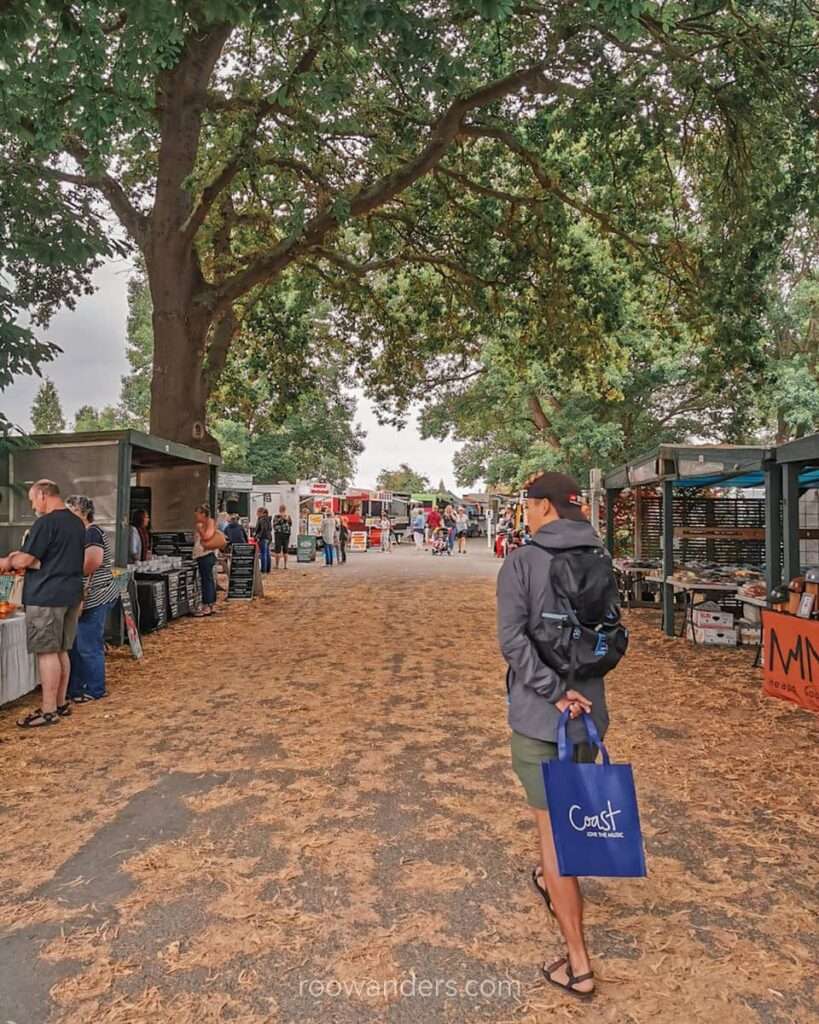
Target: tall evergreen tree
point(46, 411)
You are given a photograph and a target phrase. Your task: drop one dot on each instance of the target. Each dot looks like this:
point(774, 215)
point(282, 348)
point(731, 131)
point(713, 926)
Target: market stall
point(121, 471)
point(707, 541)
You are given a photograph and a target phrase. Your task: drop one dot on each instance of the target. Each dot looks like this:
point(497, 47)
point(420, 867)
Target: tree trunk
point(179, 388)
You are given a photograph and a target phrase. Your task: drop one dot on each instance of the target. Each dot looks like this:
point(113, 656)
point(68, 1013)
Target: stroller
point(439, 544)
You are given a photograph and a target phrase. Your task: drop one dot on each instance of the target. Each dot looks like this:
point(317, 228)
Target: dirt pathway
point(303, 810)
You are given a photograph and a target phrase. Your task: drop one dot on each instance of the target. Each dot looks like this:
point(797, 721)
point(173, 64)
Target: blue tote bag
point(593, 810)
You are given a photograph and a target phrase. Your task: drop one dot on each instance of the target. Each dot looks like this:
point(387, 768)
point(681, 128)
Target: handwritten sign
point(358, 540)
point(791, 664)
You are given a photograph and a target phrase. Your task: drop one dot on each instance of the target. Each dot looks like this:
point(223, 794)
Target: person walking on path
point(449, 526)
point(418, 525)
point(461, 529)
point(328, 535)
point(87, 679)
point(207, 540)
point(537, 696)
point(385, 527)
point(53, 556)
point(263, 535)
point(343, 538)
point(433, 520)
point(282, 528)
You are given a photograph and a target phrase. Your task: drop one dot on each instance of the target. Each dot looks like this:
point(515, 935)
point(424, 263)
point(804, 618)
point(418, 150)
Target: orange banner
point(791, 664)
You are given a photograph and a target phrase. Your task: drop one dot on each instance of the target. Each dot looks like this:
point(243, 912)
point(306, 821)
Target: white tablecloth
point(18, 668)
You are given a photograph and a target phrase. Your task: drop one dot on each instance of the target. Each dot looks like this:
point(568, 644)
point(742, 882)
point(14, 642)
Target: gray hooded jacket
point(524, 591)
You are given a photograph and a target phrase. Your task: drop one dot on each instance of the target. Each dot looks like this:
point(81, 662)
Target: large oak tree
point(237, 142)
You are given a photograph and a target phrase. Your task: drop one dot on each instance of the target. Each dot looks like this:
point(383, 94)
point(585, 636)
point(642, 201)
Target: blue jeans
point(328, 554)
point(264, 555)
point(88, 655)
point(205, 565)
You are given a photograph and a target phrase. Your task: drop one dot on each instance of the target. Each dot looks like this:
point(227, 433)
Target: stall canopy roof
point(148, 450)
point(692, 466)
point(804, 450)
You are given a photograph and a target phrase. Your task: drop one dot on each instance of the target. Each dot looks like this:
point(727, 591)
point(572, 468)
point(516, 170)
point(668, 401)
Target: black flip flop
point(543, 891)
point(39, 718)
point(573, 979)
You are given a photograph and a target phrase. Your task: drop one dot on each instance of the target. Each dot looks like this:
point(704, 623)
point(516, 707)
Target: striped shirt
point(100, 587)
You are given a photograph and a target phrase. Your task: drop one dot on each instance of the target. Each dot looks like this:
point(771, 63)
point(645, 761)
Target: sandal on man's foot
point(37, 718)
point(571, 981)
point(537, 878)
point(64, 710)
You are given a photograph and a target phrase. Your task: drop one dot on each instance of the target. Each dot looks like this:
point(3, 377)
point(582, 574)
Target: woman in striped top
point(87, 680)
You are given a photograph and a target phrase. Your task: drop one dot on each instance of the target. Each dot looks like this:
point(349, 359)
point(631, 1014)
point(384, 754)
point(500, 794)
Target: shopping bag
point(593, 810)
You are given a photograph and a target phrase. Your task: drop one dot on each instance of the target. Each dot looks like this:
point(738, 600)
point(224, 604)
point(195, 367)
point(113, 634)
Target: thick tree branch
point(381, 192)
point(134, 222)
point(542, 422)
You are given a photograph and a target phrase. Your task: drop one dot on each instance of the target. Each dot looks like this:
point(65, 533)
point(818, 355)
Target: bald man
point(52, 555)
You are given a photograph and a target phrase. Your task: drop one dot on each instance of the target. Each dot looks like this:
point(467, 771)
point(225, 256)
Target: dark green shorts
point(527, 757)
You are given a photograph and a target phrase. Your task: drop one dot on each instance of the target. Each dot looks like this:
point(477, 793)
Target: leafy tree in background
point(240, 142)
point(46, 411)
point(404, 480)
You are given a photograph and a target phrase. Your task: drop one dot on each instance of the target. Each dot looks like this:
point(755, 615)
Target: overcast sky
point(88, 372)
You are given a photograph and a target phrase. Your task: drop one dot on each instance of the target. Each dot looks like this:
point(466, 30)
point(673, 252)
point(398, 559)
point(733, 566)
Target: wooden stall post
point(773, 524)
point(668, 556)
point(790, 518)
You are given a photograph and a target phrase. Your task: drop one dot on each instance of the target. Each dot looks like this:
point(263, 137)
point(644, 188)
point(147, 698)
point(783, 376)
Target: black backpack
point(582, 637)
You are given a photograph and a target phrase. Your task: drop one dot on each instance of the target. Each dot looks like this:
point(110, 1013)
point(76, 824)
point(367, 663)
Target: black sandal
point(84, 698)
point(536, 874)
point(573, 979)
point(64, 710)
point(38, 718)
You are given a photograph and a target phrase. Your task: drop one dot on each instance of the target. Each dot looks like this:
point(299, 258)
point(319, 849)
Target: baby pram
point(439, 544)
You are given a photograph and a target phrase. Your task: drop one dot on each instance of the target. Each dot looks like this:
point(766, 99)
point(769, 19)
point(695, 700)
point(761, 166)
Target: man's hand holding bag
point(593, 811)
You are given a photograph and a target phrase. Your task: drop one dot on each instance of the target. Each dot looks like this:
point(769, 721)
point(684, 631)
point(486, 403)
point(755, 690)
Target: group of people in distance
point(443, 530)
point(275, 531)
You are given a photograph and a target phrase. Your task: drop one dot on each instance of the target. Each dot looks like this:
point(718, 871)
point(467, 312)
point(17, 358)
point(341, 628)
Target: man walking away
point(328, 535)
point(53, 555)
point(537, 696)
point(282, 528)
point(263, 535)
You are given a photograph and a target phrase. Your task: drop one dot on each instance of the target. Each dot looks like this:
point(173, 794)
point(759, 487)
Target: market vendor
point(53, 555)
point(87, 680)
point(139, 547)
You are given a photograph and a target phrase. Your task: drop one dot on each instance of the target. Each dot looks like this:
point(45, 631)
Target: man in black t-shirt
point(53, 555)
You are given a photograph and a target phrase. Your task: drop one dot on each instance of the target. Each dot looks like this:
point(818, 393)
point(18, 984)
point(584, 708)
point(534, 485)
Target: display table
point(18, 668)
point(689, 589)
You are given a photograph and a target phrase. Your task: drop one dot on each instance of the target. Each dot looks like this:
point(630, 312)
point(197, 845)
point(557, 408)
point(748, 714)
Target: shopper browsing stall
point(52, 556)
point(235, 532)
point(87, 656)
point(207, 540)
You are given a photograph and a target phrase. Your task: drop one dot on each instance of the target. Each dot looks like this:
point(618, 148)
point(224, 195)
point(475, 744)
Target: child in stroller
point(439, 544)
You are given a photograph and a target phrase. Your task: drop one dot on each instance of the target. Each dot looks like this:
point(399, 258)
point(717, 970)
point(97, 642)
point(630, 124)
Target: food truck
point(362, 510)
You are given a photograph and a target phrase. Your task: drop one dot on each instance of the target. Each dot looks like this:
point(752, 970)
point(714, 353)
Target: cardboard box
point(713, 636)
point(710, 619)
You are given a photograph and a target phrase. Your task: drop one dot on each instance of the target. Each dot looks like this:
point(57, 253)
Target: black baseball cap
point(562, 491)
